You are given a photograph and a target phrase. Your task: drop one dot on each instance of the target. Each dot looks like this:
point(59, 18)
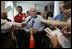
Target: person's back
point(6, 31)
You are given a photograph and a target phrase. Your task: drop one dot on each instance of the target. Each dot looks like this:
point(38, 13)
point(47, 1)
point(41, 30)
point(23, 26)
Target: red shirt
point(20, 17)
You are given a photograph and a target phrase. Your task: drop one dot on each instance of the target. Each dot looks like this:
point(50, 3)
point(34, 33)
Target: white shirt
point(5, 25)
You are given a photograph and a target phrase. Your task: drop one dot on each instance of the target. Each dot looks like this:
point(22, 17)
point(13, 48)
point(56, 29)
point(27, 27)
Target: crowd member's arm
point(56, 23)
point(26, 20)
point(6, 25)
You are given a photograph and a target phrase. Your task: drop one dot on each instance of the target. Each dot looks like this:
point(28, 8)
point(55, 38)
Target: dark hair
point(38, 13)
point(67, 4)
point(20, 7)
point(27, 12)
point(48, 13)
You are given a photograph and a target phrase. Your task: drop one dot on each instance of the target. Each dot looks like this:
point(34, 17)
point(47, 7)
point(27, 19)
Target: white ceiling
point(43, 3)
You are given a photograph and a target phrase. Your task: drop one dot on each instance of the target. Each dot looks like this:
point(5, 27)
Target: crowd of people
point(36, 22)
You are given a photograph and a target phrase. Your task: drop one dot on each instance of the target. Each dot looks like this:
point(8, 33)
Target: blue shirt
point(59, 17)
point(34, 23)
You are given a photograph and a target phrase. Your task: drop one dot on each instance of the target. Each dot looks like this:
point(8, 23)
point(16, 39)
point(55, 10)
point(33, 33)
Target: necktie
point(32, 42)
point(32, 23)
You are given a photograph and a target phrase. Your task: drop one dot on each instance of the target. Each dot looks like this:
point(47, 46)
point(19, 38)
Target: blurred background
point(10, 6)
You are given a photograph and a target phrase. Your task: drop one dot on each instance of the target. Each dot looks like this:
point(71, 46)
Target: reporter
point(7, 25)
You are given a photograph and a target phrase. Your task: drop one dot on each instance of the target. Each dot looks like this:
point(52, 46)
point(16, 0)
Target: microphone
point(32, 23)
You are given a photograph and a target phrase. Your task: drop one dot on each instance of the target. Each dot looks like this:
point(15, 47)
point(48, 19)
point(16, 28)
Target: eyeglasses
point(33, 11)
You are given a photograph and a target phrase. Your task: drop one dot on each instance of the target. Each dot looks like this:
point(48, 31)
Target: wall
point(11, 7)
point(2, 6)
point(27, 6)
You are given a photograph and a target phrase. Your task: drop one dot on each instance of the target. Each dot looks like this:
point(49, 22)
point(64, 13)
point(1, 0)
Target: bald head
point(32, 8)
point(32, 11)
